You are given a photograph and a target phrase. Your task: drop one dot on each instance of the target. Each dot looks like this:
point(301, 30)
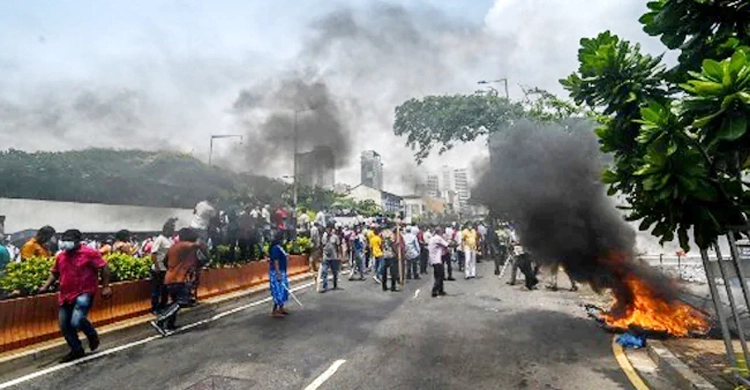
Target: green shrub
point(125, 267)
point(26, 276)
point(302, 246)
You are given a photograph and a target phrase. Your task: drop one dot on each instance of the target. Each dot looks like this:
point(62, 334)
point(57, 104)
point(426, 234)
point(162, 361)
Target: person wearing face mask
point(77, 268)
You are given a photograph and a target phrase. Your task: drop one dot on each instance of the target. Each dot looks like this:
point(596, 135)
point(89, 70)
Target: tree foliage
point(444, 121)
point(679, 136)
point(134, 177)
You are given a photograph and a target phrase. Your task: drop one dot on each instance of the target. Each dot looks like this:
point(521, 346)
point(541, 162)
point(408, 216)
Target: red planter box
point(29, 320)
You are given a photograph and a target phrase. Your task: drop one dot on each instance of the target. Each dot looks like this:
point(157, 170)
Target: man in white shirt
point(303, 223)
point(412, 251)
point(438, 248)
point(159, 249)
point(320, 218)
point(202, 214)
point(265, 216)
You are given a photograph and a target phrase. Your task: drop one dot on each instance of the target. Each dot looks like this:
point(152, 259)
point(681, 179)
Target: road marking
point(325, 375)
point(111, 351)
point(416, 293)
point(624, 363)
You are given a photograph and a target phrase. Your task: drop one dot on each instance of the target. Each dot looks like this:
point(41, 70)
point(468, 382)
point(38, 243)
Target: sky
point(167, 74)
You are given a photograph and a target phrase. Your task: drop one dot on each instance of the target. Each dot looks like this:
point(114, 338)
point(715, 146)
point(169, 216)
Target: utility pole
point(211, 144)
point(295, 184)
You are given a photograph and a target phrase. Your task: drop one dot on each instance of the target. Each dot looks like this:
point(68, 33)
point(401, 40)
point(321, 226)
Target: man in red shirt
point(280, 217)
point(77, 268)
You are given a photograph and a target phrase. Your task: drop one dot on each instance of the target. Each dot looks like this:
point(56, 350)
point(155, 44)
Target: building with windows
point(433, 186)
point(390, 203)
point(317, 168)
point(462, 187)
point(371, 173)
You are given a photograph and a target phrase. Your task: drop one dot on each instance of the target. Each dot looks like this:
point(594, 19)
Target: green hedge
point(25, 277)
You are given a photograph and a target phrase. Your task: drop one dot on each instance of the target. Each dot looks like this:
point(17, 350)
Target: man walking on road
point(376, 247)
point(412, 251)
point(389, 261)
point(331, 257)
point(469, 243)
point(183, 264)
point(77, 268)
point(358, 254)
point(159, 249)
point(316, 255)
point(438, 248)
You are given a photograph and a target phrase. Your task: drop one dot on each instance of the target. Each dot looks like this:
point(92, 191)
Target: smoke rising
point(309, 104)
point(545, 179)
point(354, 67)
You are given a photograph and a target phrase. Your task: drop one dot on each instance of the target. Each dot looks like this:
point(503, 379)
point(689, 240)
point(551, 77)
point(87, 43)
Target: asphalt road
point(484, 335)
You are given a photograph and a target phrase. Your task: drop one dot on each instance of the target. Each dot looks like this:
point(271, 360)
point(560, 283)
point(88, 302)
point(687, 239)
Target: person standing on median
point(277, 276)
point(438, 248)
point(77, 268)
point(36, 246)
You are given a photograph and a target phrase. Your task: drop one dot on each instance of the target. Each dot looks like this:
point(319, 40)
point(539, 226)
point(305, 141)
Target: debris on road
point(630, 340)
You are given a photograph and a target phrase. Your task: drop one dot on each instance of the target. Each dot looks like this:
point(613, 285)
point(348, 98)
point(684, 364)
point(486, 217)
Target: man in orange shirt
point(35, 246)
point(183, 263)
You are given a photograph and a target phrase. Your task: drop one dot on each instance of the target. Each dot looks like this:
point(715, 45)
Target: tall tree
point(444, 121)
point(679, 136)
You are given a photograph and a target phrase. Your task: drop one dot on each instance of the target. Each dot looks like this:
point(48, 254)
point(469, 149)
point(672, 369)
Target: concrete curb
point(129, 329)
point(677, 371)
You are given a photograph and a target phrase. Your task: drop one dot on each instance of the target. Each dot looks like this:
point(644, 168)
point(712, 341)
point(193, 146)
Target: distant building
point(452, 186)
point(418, 207)
point(388, 202)
point(462, 187)
point(371, 169)
point(392, 203)
point(433, 186)
point(317, 168)
point(342, 188)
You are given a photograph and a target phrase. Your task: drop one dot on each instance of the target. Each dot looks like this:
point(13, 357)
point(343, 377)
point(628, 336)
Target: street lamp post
point(503, 80)
point(211, 145)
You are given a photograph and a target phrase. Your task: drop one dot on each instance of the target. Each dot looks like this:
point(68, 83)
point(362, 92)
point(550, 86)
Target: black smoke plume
point(271, 138)
point(545, 179)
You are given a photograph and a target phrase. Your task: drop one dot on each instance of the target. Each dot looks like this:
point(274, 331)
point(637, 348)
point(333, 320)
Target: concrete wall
point(22, 214)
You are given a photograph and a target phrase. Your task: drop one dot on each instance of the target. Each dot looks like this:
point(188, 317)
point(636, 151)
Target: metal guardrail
point(735, 266)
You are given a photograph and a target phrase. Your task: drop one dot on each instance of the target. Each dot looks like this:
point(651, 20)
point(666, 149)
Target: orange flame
point(639, 305)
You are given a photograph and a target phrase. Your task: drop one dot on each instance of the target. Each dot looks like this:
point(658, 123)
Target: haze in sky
point(168, 74)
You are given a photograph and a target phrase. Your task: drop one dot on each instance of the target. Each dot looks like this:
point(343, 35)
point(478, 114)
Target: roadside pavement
point(483, 335)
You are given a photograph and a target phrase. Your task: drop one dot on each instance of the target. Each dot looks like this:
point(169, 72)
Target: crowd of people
point(384, 249)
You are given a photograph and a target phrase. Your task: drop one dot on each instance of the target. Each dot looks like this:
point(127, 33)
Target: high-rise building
point(461, 186)
point(433, 186)
point(452, 186)
point(446, 179)
point(317, 168)
point(372, 169)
